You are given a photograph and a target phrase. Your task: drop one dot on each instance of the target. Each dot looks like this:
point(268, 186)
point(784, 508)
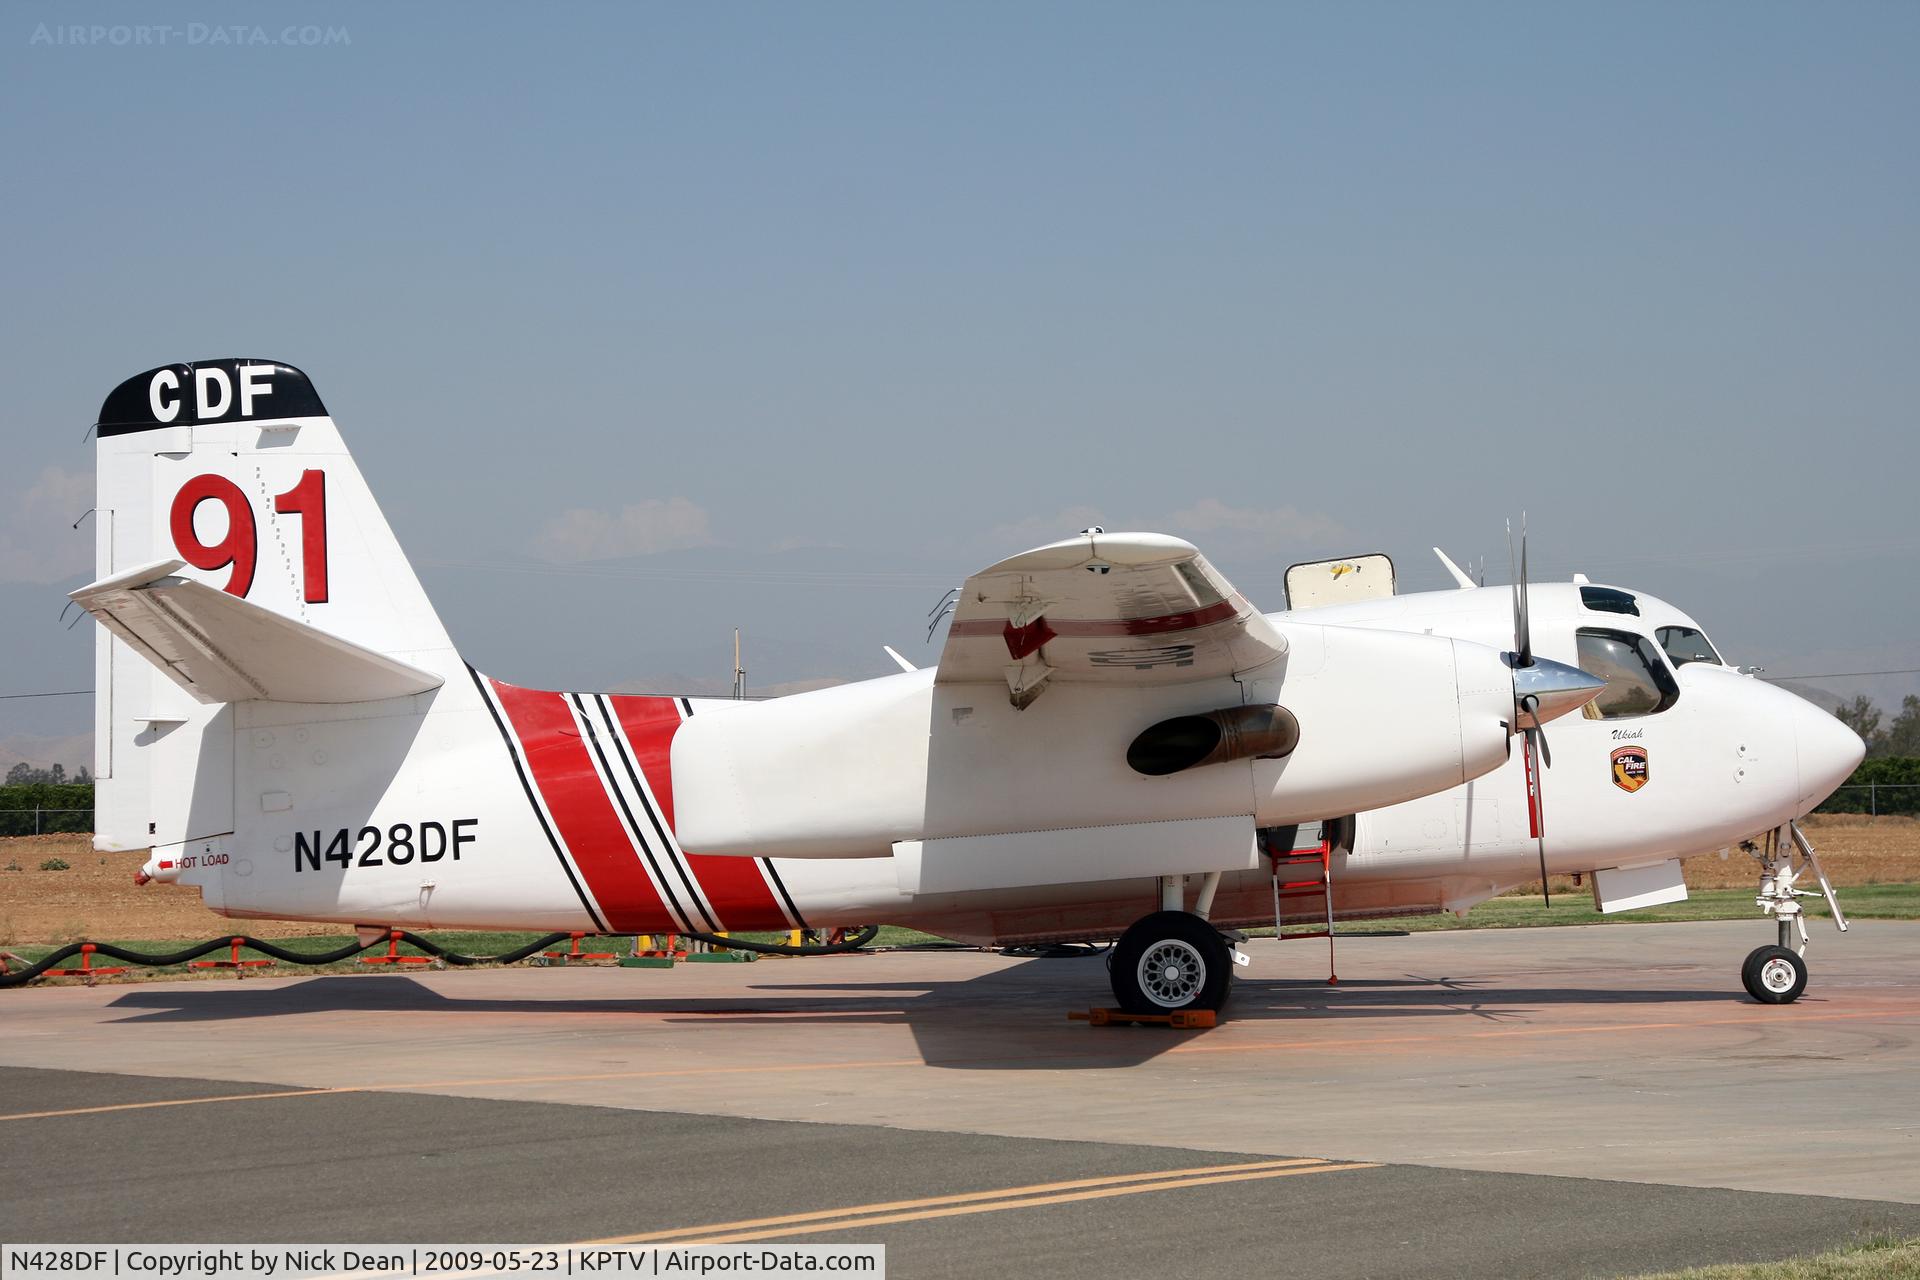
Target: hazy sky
point(800, 312)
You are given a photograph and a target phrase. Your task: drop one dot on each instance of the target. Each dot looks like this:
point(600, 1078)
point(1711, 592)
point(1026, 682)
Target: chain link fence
point(1875, 799)
point(40, 822)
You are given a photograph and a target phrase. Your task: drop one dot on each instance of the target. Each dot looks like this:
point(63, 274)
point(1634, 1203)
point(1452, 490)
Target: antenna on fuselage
point(1459, 574)
point(739, 672)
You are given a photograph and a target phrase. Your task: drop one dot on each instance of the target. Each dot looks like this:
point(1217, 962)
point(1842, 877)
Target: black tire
point(1774, 975)
point(1168, 961)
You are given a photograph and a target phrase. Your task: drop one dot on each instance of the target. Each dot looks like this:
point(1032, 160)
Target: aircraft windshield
point(1684, 645)
point(1638, 682)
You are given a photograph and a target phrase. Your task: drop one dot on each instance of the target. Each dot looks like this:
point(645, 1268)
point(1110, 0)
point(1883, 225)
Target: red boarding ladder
point(1282, 849)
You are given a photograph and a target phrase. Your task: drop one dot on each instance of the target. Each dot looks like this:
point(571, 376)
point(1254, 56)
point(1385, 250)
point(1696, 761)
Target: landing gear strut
point(1170, 960)
point(1778, 974)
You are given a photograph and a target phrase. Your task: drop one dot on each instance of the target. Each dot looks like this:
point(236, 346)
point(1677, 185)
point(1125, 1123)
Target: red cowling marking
point(583, 811)
point(734, 886)
point(1219, 611)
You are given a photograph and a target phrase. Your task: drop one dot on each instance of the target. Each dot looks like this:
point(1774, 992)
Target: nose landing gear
point(1774, 975)
point(1778, 974)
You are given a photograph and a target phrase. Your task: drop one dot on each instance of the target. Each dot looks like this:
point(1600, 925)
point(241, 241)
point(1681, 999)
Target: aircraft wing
point(1104, 608)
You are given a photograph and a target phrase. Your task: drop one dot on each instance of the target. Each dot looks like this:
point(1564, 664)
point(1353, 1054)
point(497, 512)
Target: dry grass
point(1873, 1261)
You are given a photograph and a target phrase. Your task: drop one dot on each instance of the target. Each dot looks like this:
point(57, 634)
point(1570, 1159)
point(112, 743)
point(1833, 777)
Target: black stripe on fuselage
point(681, 917)
point(667, 845)
point(520, 771)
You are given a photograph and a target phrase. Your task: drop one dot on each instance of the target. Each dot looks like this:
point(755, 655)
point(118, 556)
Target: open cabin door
point(1343, 581)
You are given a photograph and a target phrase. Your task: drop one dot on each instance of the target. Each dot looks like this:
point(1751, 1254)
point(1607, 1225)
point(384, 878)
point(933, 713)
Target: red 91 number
point(241, 545)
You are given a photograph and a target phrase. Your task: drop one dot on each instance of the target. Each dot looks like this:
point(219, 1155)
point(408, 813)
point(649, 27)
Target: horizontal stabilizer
point(220, 648)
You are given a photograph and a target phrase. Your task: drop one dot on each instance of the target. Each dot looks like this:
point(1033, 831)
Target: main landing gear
point(1170, 960)
point(1778, 974)
point(1174, 959)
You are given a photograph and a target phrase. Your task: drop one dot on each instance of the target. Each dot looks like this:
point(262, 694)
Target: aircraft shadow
point(1014, 1019)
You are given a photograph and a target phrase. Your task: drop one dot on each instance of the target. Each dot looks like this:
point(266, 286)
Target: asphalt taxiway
point(1579, 1101)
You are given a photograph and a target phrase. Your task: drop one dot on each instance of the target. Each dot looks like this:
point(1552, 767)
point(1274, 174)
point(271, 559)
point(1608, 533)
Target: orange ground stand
point(233, 960)
point(86, 969)
point(574, 953)
point(393, 955)
point(1178, 1019)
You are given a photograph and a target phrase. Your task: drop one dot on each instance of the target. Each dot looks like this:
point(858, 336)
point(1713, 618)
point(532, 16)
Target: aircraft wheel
point(1774, 975)
point(1170, 960)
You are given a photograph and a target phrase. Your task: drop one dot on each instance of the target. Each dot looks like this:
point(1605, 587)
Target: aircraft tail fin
point(240, 558)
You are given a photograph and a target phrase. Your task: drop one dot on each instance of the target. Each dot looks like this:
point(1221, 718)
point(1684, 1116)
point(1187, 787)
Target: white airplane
point(1114, 743)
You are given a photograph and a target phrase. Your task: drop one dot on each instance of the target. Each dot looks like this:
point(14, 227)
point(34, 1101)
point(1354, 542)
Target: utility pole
point(739, 672)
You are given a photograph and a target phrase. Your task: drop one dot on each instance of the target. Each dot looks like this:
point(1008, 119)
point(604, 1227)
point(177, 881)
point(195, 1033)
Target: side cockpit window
point(1638, 682)
point(1684, 645)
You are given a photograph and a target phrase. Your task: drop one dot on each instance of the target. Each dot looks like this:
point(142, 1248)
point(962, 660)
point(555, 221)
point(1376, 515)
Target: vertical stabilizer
point(233, 468)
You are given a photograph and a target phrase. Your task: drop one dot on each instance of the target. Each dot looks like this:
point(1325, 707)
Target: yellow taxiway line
point(884, 1213)
point(860, 1217)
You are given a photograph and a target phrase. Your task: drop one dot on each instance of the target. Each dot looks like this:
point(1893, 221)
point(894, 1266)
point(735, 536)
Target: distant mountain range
point(72, 751)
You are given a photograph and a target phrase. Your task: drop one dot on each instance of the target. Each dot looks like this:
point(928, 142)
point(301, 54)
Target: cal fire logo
point(1630, 768)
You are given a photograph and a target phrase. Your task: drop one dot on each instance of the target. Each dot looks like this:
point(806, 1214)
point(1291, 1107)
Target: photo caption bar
point(434, 1261)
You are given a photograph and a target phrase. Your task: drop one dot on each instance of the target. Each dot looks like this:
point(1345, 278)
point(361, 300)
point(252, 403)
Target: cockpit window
point(1609, 600)
point(1638, 682)
point(1684, 645)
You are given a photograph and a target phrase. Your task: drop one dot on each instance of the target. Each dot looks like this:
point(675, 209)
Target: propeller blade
point(1531, 704)
point(1536, 814)
point(1525, 635)
point(1513, 568)
point(1566, 686)
point(1536, 826)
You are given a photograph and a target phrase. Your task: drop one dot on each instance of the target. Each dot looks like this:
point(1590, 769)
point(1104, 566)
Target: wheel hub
point(1171, 973)
point(1777, 976)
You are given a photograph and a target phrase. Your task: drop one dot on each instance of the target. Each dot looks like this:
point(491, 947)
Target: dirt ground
point(1854, 849)
point(96, 897)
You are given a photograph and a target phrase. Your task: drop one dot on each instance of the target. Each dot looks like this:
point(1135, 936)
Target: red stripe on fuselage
point(582, 810)
point(734, 886)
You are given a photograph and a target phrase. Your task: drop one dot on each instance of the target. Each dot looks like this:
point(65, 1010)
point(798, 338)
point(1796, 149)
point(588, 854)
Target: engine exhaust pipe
point(1265, 732)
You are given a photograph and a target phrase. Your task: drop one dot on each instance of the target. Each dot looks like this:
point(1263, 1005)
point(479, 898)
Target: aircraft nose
point(1829, 752)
